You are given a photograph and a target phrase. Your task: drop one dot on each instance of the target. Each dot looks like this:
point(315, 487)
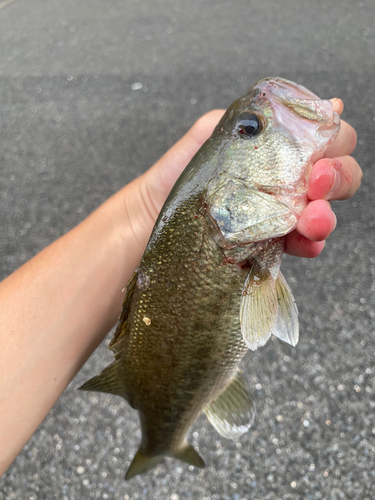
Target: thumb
point(161, 177)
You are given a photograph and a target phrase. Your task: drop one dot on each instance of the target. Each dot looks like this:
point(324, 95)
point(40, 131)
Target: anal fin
point(232, 412)
point(111, 380)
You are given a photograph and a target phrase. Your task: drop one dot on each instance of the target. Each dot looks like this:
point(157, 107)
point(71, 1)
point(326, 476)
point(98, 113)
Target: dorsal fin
point(115, 344)
point(111, 380)
point(233, 411)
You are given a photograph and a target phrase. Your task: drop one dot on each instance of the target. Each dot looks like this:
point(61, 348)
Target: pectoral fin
point(286, 327)
point(259, 306)
point(233, 411)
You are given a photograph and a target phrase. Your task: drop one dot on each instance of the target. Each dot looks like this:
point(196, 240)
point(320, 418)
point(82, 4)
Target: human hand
point(337, 176)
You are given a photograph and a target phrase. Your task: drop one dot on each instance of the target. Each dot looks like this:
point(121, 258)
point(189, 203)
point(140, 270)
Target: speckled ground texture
point(75, 128)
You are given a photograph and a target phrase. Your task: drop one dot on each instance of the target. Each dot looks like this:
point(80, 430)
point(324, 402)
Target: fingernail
point(335, 221)
point(337, 102)
point(336, 180)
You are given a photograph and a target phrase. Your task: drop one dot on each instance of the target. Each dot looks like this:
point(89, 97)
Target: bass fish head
point(275, 133)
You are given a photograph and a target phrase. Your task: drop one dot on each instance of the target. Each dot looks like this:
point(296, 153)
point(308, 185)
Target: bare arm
point(59, 306)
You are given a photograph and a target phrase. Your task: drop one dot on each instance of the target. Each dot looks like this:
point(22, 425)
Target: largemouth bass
point(209, 286)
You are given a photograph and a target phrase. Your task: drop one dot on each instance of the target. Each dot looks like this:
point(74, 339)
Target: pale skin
point(58, 307)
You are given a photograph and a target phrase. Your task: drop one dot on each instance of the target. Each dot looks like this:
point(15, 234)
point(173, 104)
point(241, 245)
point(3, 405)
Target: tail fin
point(141, 463)
point(187, 454)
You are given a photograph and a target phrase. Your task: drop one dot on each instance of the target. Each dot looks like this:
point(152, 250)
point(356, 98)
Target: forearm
point(56, 309)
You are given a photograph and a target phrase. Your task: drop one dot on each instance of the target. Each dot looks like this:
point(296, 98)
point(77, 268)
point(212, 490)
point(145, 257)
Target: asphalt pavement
point(91, 94)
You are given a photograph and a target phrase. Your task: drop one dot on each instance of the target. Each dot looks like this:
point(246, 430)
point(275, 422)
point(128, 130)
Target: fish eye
point(248, 125)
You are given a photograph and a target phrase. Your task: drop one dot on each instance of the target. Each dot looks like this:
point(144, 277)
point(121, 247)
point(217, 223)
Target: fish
point(209, 287)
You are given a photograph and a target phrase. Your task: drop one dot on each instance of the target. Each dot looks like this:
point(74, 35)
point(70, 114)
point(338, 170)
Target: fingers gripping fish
point(209, 285)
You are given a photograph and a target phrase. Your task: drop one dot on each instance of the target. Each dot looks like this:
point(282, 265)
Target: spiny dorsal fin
point(286, 327)
point(115, 344)
point(258, 310)
point(111, 380)
point(233, 411)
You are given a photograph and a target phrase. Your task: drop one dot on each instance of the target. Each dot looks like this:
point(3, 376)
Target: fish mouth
point(292, 102)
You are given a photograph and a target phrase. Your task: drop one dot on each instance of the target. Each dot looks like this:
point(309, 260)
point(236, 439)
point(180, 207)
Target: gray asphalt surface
point(73, 131)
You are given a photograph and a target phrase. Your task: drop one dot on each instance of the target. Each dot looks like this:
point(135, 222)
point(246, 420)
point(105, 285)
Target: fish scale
point(191, 320)
point(209, 286)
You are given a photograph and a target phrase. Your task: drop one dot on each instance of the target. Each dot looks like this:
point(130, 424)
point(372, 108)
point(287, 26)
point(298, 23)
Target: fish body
point(209, 287)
